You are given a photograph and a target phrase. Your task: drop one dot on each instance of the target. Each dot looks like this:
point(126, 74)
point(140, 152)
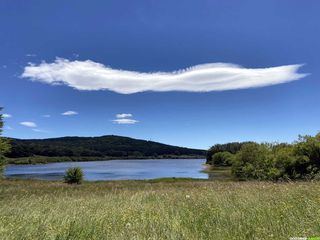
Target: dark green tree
point(222, 159)
point(252, 162)
point(4, 145)
point(307, 151)
point(232, 147)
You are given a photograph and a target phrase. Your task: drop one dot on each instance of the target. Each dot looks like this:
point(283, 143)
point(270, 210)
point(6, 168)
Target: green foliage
point(252, 161)
point(232, 147)
point(4, 146)
point(283, 160)
point(222, 159)
point(73, 175)
point(308, 150)
point(99, 147)
point(300, 160)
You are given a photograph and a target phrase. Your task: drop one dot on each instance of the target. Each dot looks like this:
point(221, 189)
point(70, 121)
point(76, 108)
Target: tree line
point(4, 145)
point(114, 146)
point(270, 161)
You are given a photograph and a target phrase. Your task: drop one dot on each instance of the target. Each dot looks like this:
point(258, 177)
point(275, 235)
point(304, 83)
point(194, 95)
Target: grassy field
point(158, 210)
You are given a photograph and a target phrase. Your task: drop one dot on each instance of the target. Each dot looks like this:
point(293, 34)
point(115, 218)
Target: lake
point(113, 169)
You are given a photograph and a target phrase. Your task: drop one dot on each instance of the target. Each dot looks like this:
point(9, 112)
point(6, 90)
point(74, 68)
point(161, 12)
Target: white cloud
point(9, 128)
point(6, 115)
point(89, 75)
point(69, 113)
point(46, 115)
point(31, 55)
point(39, 130)
point(125, 118)
point(124, 115)
point(28, 124)
point(125, 121)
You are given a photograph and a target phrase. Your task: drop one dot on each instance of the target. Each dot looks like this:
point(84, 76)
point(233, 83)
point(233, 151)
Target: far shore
point(45, 159)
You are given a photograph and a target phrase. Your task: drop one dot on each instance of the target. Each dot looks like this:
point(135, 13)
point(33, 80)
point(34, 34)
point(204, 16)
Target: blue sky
point(78, 42)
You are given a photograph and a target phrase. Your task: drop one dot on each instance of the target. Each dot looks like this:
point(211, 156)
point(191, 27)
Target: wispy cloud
point(124, 118)
point(6, 115)
point(89, 75)
point(125, 121)
point(28, 124)
point(39, 130)
point(124, 115)
point(69, 113)
point(31, 55)
point(9, 128)
point(46, 115)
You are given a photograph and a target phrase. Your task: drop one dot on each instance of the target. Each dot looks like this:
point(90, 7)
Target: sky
point(186, 73)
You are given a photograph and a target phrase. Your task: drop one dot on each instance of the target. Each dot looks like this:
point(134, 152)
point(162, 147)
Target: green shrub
point(73, 175)
point(252, 161)
point(266, 162)
point(300, 160)
point(4, 146)
point(232, 147)
point(222, 159)
point(283, 160)
point(307, 150)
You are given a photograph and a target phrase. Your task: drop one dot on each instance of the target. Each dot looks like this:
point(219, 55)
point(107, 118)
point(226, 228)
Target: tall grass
point(158, 210)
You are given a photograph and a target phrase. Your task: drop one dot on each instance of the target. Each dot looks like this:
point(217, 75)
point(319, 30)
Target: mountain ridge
point(105, 146)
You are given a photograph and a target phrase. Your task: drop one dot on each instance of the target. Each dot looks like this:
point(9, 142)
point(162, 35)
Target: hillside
point(98, 147)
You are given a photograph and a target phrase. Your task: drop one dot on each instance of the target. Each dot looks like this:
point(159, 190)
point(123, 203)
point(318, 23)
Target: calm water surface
point(113, 170)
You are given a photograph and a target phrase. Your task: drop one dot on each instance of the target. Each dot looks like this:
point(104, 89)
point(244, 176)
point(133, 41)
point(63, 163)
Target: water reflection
point(113, 170)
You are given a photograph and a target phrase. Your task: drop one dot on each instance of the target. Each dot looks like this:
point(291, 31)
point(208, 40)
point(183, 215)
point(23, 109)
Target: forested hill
point(105, 146)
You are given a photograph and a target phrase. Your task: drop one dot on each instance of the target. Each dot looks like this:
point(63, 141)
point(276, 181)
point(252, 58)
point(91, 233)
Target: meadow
point(158, 209)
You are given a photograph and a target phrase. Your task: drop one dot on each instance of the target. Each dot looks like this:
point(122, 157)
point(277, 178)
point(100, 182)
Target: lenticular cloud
point(89, 75)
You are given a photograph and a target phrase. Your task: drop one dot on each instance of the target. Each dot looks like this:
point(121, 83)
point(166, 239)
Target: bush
point(222, 159)
point(232, 147)
point(307, 150)
point(300, 160)
point(4, 146)
point(283, 160)
point(252, 161)
point(73, 175)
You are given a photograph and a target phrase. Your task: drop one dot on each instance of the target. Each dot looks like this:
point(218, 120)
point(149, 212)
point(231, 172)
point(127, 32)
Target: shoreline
point(45, 160)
